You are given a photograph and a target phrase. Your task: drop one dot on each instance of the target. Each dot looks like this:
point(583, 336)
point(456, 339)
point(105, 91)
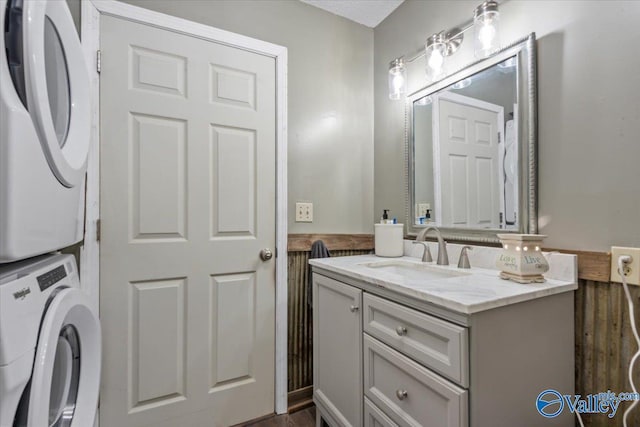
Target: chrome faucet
point(463, 261)
point(443, 257)
point(426, 255)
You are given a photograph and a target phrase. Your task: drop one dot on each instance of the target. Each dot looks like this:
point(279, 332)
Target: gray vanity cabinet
point(382, 359)
point(337, 351)
point(349, 364)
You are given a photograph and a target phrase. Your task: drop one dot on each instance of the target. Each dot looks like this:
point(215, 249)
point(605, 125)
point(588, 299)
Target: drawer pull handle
point(354, 308)
point(401, 330)
point(401, 394)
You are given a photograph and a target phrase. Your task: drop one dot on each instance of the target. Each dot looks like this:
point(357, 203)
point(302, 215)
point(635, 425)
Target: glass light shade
point(397, 79)
point(486, 29)
point(435, 51)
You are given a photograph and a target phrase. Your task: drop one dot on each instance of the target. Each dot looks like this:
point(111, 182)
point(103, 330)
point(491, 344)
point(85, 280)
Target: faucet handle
point(463, 261)
point(426, 255)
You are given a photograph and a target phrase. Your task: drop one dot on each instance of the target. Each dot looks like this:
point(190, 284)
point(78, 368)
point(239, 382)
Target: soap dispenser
point(385, 216)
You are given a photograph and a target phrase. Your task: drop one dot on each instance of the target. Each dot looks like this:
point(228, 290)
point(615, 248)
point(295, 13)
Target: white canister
point(389, 240)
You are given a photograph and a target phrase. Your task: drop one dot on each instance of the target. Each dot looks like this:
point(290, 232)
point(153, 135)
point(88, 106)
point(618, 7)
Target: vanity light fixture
point(485, 22)
point(437, 47)
point(435, 51)
point(440, 45)
point(397, 78)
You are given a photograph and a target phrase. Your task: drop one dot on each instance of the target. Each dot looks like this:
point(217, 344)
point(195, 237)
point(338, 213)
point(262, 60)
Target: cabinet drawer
point(439, 345)
point(374, 417)
point(409, 393)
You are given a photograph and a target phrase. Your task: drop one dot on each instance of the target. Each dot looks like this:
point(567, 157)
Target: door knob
point(354, 308)
point(266, 254)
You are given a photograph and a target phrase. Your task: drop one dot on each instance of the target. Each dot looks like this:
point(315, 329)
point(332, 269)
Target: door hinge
point(499, 140)
point(99, 61)
point(98, 230)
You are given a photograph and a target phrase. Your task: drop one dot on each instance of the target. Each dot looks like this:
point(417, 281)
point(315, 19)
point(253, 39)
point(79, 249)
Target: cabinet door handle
point(401, 330)
point(354, 308)
point(401, 394)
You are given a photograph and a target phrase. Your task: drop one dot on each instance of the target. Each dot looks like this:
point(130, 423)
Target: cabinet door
point(337, 351)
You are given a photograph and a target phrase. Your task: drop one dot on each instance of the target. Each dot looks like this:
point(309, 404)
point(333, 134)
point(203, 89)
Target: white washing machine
point(50, 346)
point(44, 129)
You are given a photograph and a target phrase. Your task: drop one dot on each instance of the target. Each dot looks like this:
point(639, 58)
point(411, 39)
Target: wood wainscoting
point(605, 345)
point(604, 342)
point(300, 333)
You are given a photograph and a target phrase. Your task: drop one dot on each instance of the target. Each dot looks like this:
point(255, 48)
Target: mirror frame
point(525, 52)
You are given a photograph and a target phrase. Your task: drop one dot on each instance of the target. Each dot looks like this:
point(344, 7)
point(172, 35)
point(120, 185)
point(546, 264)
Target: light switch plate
point(304, 212)
point(423, 208)
point(633, 271)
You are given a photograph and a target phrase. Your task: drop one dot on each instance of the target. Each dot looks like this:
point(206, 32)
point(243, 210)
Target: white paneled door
point(187, 204)
point(467, 133)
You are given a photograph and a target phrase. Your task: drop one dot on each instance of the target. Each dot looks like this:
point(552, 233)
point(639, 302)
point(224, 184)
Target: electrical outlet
point(304, 212)
point(423, 208)
point(632, 272)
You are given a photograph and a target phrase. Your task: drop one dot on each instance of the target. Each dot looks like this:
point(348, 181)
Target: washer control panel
point(51, 277)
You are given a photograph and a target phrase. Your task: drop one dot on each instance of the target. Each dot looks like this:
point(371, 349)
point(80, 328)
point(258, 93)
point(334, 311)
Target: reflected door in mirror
point(468, 160)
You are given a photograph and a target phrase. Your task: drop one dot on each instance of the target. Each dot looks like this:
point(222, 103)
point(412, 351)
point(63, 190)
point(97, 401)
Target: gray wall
point(330, 84)
point(589, 110)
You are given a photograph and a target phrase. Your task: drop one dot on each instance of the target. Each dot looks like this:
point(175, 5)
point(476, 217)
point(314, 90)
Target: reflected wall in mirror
point(472, 149)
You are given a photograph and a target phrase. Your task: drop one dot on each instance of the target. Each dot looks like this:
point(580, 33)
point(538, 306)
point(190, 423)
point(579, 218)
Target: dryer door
point(13, 45)
point(66, 372)
point(57, 87)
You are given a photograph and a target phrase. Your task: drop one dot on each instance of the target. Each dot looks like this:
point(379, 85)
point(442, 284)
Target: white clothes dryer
point(50, 346)
point(44, 128)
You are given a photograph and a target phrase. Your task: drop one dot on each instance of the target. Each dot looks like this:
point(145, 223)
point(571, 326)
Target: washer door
point(57, 87)
point(66, 372)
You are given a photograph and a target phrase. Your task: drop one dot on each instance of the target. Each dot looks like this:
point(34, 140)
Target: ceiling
point(365, 12)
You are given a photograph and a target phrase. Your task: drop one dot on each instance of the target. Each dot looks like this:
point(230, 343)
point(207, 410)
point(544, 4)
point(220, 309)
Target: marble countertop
point(480, 290)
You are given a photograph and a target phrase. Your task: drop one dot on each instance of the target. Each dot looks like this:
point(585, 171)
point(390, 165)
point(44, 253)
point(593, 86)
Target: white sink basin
point(414, 270)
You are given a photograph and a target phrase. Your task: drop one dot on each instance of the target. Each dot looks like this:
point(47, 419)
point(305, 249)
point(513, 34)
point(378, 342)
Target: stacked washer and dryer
point(50, 341)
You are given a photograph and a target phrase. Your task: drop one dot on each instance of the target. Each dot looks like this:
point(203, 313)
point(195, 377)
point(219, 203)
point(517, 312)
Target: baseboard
point(300, 399)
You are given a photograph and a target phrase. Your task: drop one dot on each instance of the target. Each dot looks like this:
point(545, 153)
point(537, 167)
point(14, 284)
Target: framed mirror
point(471, 142)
